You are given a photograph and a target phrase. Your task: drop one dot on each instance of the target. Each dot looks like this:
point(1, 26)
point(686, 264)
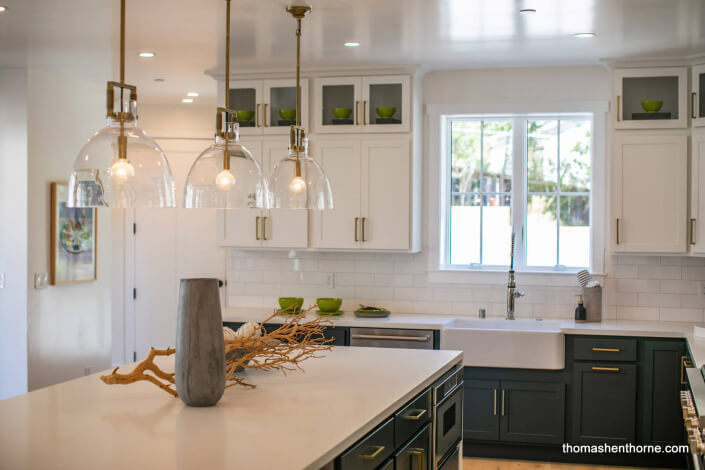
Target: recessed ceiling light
point(351, 44)
point(147, 55)
point(3, 8)
point(584, 35)
point(159, 79)
point(187, 100)
point(528, 11)
point(192, 94)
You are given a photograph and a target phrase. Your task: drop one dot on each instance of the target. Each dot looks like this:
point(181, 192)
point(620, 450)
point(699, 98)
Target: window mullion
point(558, 192)
point(519, 189)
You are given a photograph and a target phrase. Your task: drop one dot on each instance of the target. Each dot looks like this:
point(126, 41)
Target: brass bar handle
point(685, 363)
point(419, 452)
point(364, 113)
point(502, 402)
point(618, 231)
point(618, 118)
point(607, 369)
point(264, 115)
point(257, 227)
point(692, 231)
point(257, 115)
point(356, 220)
point(357, 113)
point(692, 105)
point(494, 413)
point(417, 416)
point(606, 349)
point(264, 228)
point(373, 455)
point(364, 219)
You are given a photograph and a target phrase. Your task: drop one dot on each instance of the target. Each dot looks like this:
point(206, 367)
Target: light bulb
point(297, 185)
point(225, 180)
point(122, 170)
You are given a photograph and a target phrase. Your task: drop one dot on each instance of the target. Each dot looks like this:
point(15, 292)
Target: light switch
point(41, 280)
point(330, 280)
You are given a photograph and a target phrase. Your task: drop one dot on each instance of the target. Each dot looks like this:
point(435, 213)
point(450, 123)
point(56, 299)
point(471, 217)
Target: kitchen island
point(301, 420)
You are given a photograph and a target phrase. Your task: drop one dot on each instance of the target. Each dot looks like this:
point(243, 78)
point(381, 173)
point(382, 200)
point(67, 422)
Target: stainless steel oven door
point(449, 422)
point(391, 338)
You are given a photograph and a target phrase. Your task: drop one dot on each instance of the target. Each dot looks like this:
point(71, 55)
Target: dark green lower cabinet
point(480, 412)
point(604, 403)
point(416, 455)
point(532, 412)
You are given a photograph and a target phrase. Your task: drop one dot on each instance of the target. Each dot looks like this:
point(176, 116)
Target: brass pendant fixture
point(225, 175)
point(298, 181)
point(121, 166)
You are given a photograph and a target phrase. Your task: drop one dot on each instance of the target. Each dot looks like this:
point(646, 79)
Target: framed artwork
point(73, 240)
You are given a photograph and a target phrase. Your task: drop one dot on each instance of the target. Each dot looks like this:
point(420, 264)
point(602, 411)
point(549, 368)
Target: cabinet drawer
point(604, 349)
point(416, 454)
point(412, 417)
point(371, 450)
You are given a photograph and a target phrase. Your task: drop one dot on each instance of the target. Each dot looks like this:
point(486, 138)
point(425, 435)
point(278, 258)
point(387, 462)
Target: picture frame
point(74, 240)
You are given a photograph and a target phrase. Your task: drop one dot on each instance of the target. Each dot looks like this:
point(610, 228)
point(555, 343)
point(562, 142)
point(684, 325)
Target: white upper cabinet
point(649, 195)
point(697, 98)
point(651, 98)
point(696, 229)
point(362, 104)
point(268, 107)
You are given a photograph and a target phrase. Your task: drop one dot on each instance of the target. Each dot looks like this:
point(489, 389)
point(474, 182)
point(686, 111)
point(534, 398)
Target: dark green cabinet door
point(416, 455)
point(661, 383)
point(532, 412)
point(481, 410)
point(604, 402)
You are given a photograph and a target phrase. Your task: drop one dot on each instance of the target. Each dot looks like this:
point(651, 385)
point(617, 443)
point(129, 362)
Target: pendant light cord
point(226, 153)
point(122, 140)
point(298, 72)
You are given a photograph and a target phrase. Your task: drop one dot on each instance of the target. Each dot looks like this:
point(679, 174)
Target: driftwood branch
point(140, 373)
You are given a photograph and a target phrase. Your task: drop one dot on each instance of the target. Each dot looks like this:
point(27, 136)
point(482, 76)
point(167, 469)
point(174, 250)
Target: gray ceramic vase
point(200, 348)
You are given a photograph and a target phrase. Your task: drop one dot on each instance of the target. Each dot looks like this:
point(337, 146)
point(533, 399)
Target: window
point(522, 172)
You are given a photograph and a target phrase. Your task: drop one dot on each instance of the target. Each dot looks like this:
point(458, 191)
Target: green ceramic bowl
point(245, 115)
point(652, 106)
point(342, 113)
point(385, 112)
point(287, 114)
point(329, 304)
point(291, 304)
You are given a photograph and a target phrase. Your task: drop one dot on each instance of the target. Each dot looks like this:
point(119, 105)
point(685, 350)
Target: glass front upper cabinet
point(653, 98)
point(363, 104)
point(697, 96)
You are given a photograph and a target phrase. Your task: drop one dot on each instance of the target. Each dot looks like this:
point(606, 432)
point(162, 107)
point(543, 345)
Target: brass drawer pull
point(357, 113)
point(502, 402)
point(257, 227)
point(257, 115)
point(264, 115)
point(606, 349)
point(364, 219)
point(692, 231)
point(374, 454)
point(692, 105)
point(417, 416)
point(419, 452)
point(264, 228)
point(356, 220)
point(364, 113)
point(617, 231)
point(685, 363)
point(607, 369)
point(618, 119)
point(495, 403)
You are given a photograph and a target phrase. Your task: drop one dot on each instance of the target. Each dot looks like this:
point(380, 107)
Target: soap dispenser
point(580, 313)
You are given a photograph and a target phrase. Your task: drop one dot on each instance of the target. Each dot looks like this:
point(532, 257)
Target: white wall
point(13, 231)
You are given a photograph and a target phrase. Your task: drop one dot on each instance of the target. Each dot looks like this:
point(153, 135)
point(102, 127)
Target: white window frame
point(438, 189)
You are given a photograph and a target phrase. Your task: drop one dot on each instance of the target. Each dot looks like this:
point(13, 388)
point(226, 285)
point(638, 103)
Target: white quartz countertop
point(301, 420)
point(656, 329)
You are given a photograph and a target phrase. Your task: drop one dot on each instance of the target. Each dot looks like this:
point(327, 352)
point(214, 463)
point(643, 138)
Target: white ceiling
point(188, 36)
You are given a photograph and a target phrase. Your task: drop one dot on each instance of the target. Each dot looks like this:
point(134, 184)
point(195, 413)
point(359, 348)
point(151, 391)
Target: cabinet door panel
point(649, 194)
point(278, 95)
point(245, 95)
point(697, 99)
point(342, 163)
point(661, 385)
point(481, 410)
point(604, 403)
point(337, 93)
point(386, 166)
point(696, 231)
point(532, 412)
point(386, 91)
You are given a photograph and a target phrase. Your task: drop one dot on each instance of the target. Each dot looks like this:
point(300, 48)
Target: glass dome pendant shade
point(225, 175)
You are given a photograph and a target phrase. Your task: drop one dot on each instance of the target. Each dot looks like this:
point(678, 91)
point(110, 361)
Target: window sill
point(495, 276)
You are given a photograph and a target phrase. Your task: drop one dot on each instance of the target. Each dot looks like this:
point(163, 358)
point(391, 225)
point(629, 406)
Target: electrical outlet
point(2, 280)
point(330, 280)
point(87, 370)
point(41, 280)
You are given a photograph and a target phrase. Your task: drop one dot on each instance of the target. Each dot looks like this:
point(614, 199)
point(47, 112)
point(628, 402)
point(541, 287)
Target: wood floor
point(493, 464)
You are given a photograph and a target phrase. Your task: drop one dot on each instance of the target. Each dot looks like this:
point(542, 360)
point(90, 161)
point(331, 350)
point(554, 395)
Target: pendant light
point(121, 166)
point(225, 175)
point(298, 181)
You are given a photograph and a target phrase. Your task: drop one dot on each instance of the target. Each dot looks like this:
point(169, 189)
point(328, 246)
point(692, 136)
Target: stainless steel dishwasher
point(391, 338)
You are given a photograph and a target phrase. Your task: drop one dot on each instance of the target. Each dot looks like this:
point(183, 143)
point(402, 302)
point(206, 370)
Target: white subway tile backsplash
point(648, 271)
point(637, 313)
point(693, 273)
point(637, 285)
point(622, 271)
point(681, 314)
point(633, 259)
point(680, 287)
point(658, 300)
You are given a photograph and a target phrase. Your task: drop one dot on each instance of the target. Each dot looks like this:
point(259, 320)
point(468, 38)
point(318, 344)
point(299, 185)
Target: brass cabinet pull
point(357, 113)
point(257, 114)
point(373, 455)
point(419, 452)
point(685, 363)
point(607, 369)
point(364, 219)
point(618, 118)
point(264, 115)
point(494, 413)
point(692, 231)
point(692, 105)
point(417, 416)
point(606, 349)
point(257, 227)
point(502, 402)
point(617, 231)
point(356, 219)
point(364, 113)
point(264, 228)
